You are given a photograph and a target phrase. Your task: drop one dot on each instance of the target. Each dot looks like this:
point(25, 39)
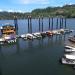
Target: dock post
point(49, 22)
point(42, 23)
point(39, 23)
point(57, 23)
point(30, 24)
point(15, 22)
point(52, 24)
point(65, 24)
point(60, 22)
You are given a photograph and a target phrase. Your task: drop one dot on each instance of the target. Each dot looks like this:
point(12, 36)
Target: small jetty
point(9, 34)
point(43, 34)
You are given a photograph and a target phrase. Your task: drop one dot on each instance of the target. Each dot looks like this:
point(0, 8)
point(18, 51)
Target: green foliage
point(66, 11)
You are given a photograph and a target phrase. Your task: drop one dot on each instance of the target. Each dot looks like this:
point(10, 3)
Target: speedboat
point(38, 35)
point(68, 59)
point(30, 36)
point(69, 49)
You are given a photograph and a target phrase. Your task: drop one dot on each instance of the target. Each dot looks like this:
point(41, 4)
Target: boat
point(56, 32)
point(30, 36)
point(10, 38)
point(49, 33)
point(2, 41)
point(68, 59)
point(69, 49)
point(43, 34)
point(72, 39)
point(23, 36)
point(8, 33)
point(66, 31)
point(38, 35)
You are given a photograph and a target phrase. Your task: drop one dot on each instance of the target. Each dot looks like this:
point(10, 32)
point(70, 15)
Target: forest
point(67, 11)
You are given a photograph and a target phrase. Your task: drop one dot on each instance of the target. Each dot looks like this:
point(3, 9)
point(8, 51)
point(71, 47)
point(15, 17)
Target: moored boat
point(38, 35)
point(69, 49)
point(8, 33)
point(68, 59)
point(71, 39)
point(49, 33)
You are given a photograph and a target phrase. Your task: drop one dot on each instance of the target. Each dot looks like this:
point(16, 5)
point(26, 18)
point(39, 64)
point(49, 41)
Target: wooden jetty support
point(39, 23)
point(29, 24)
point(49, 23)
point(16, 23)
point(42, 23)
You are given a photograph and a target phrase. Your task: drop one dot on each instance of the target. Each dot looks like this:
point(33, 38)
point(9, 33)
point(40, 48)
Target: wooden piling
point(65, 23)
point(30, 24)
point(39, 23)
point(15, 22)
point(60, 22)
point(52, 24)
point(42, 23)
point(49, 22)
point(57, 23)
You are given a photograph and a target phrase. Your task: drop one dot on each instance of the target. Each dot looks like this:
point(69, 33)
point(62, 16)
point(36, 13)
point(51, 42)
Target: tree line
point(65, 11)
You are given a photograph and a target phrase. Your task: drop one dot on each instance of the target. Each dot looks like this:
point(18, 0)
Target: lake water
point(37, 57)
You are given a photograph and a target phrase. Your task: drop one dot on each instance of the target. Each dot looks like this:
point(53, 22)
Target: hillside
point(66, 11)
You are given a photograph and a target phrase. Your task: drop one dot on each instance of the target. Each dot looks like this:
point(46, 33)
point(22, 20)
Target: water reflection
point(17, 47)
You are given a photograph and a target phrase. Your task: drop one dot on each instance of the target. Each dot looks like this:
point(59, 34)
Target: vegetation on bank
point(66, 11)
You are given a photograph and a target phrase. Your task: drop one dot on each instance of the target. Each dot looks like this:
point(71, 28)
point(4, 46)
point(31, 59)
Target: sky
point(29, 5)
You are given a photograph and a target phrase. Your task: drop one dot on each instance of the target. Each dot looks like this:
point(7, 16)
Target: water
point(37, 57)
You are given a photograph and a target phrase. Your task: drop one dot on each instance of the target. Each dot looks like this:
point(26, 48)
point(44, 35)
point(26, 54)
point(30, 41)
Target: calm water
point(37, 57)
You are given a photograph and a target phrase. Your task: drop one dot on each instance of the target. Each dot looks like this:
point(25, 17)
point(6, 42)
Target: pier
point(60, 28)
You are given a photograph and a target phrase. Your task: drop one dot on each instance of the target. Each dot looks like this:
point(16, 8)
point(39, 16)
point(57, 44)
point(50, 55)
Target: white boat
point(2, 40)
point(24, 36)
point(30, 36)
point(38, 35)
point(10, 39)
point(68, 59)
point(69, 49)
point(56, 32)
point(70, 56)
